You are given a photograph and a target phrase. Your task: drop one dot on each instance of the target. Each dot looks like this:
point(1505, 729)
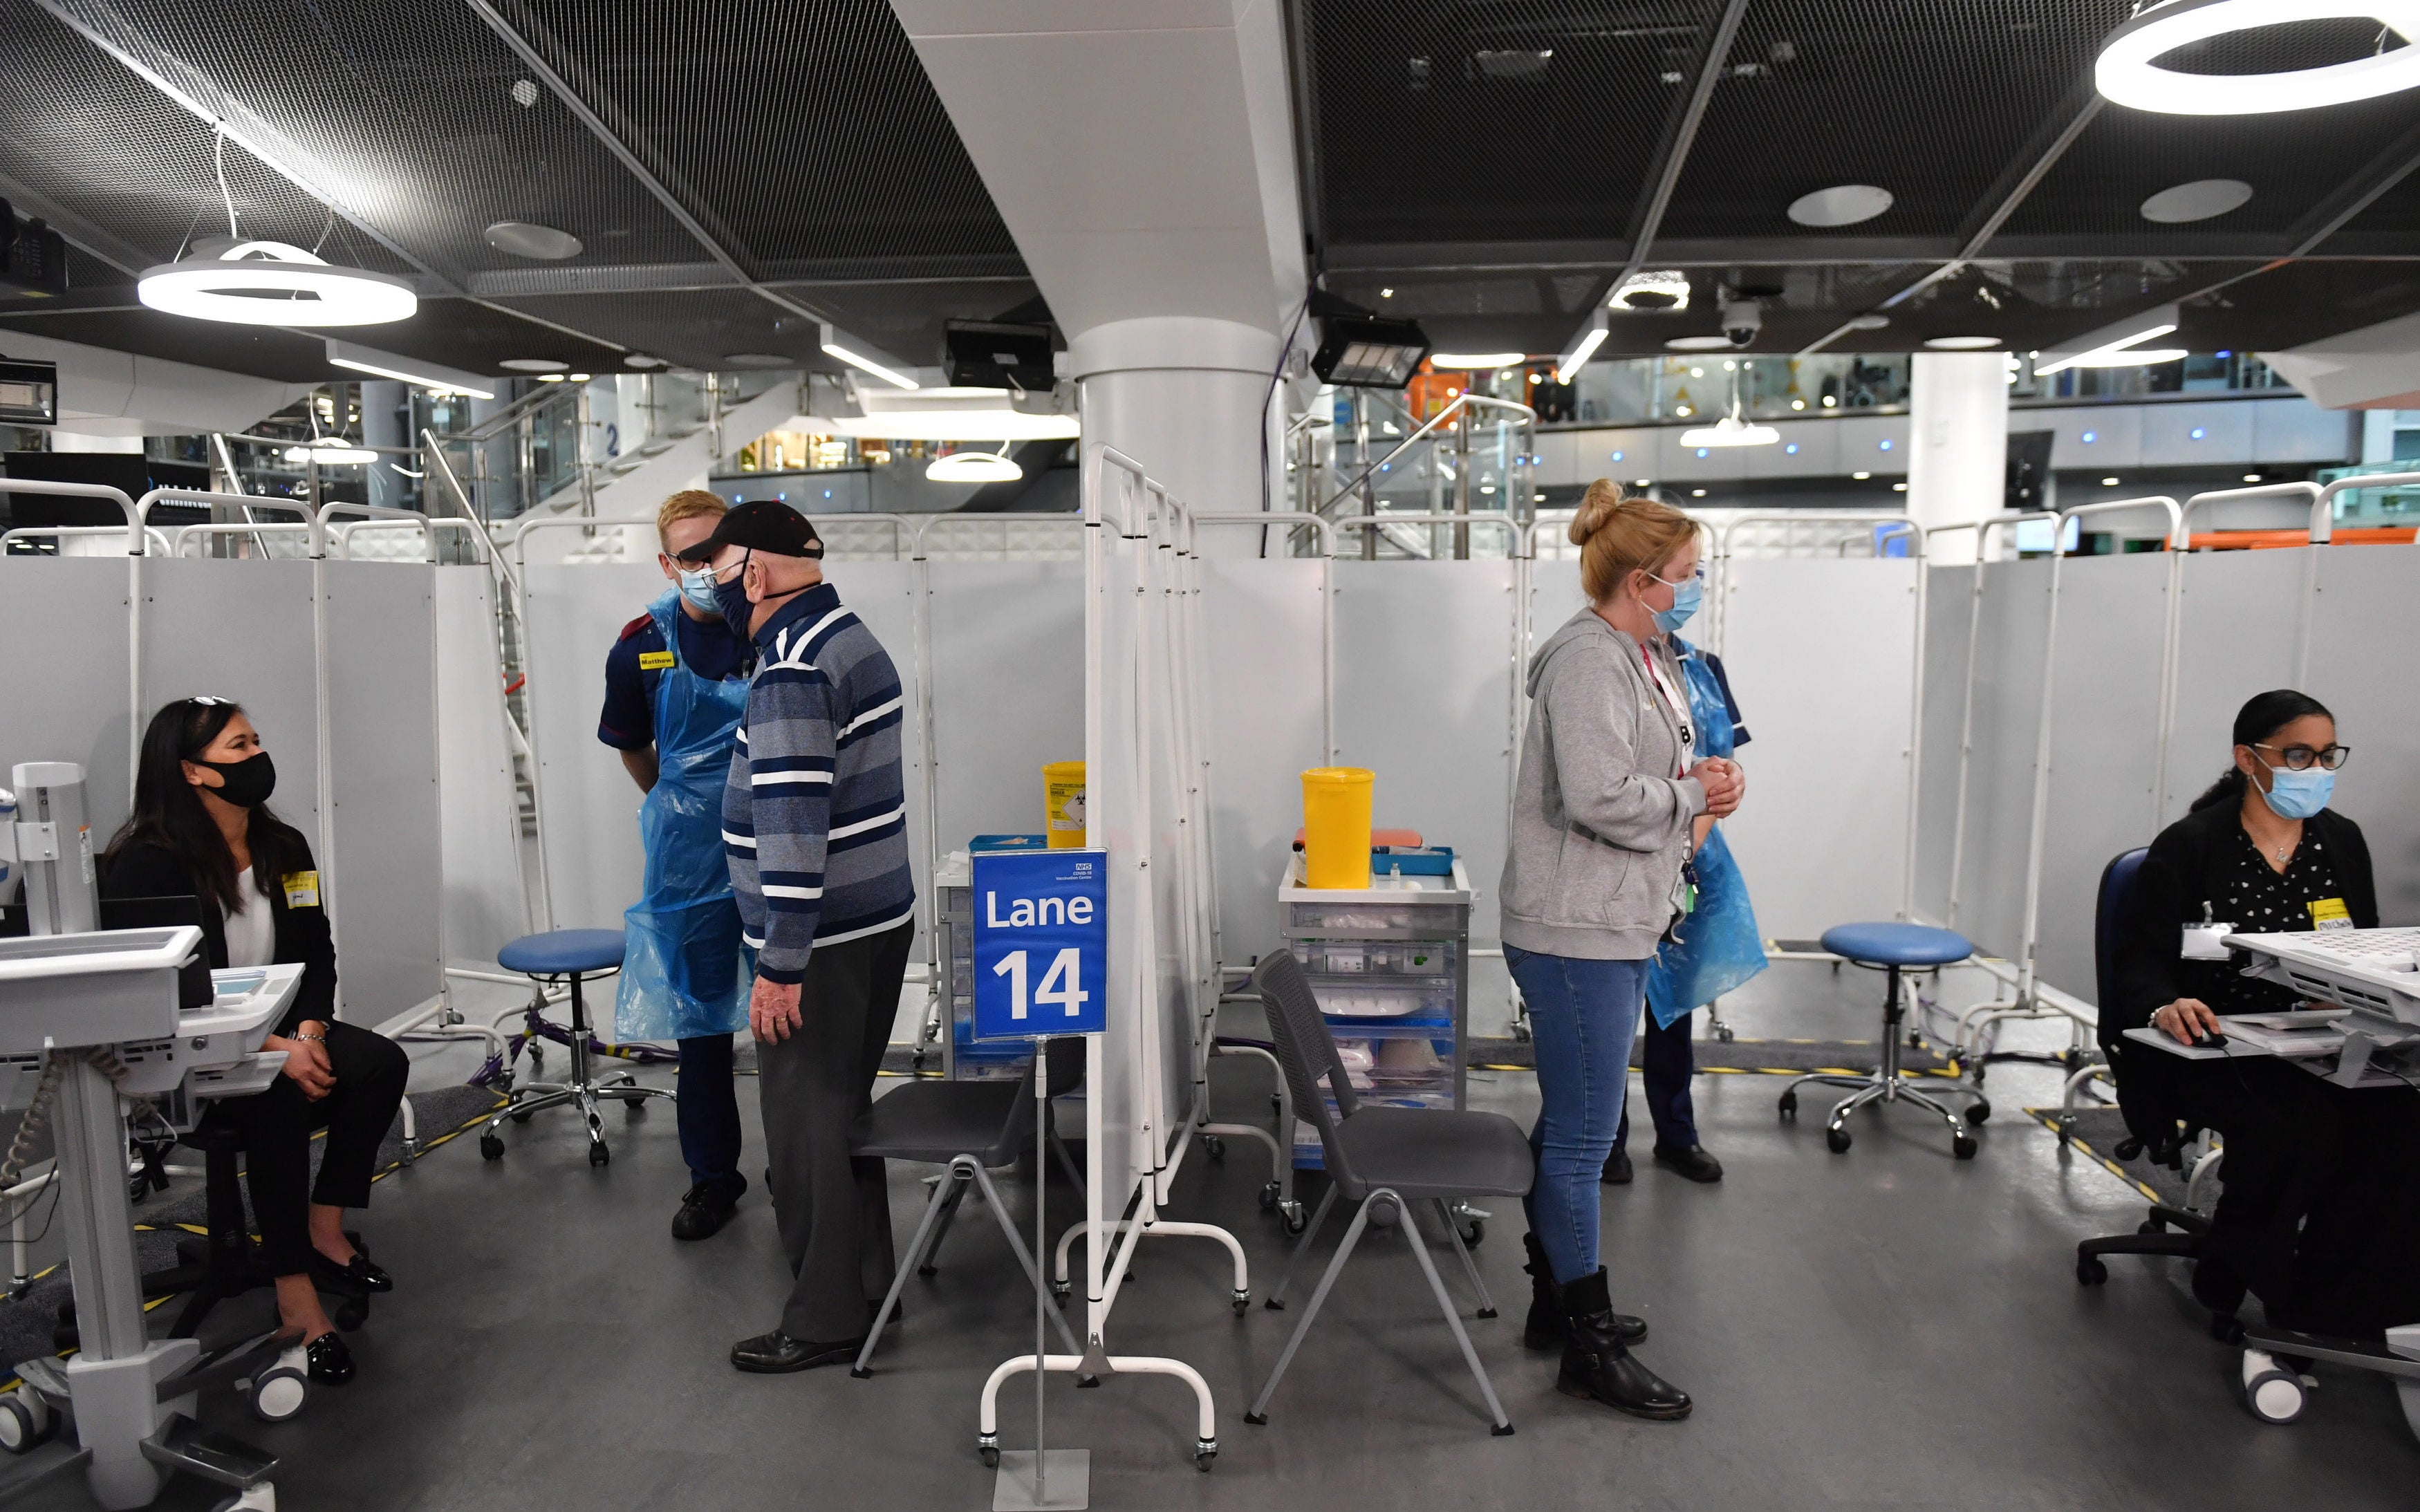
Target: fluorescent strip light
point(834, 347)
point(1591, 336)
point(409, 370)
point(1473, 362)
point(2114, 346)
point(2127, 74)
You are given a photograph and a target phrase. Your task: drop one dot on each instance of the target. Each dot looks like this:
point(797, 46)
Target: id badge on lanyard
point(1680, 707)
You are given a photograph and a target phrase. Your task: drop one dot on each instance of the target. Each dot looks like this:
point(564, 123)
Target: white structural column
point(1141, 153)
point(1957, 468)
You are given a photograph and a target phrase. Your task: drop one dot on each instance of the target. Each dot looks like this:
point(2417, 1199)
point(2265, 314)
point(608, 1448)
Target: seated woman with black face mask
point(202, 828)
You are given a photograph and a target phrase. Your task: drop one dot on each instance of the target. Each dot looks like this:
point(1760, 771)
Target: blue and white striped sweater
point(814, 817)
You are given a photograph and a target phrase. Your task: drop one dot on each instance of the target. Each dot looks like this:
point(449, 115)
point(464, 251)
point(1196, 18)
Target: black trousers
point(1666, 1059)
point(708, 1114)
point(277, 1126)
point(814, 1089)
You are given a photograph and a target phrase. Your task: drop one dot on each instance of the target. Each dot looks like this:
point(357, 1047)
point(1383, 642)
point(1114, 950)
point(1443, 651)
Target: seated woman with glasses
point(2317, 1177)
point(202, 828)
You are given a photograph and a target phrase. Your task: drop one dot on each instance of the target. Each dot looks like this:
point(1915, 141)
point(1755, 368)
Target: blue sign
point(1042, 943)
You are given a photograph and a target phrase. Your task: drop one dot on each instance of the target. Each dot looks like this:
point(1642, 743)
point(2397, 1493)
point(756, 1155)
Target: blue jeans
point(708, 1113)
point(1582, 1014)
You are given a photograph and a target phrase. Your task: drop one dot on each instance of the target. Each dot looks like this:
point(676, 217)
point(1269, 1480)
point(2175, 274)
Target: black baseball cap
point(760, 525)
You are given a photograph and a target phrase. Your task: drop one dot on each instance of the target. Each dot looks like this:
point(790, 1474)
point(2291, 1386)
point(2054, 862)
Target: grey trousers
point(834, 1211)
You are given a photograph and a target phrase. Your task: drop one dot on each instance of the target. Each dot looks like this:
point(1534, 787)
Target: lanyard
point(1680, 710)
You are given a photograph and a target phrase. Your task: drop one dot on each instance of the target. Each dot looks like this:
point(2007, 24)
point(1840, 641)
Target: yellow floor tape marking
point(2048, 1118)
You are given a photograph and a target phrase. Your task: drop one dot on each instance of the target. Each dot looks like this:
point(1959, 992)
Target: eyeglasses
point(1697, 576)
point(2302, 758)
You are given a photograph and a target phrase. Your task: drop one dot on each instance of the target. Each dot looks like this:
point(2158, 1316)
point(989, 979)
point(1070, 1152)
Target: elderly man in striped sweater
point(814, 822)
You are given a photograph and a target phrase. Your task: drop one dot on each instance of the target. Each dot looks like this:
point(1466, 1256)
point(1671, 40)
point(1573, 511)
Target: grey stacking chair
point(973, 1128)
point(1382, 1158)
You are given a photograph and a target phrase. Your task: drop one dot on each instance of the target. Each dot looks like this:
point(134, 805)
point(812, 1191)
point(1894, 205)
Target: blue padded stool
point(566, 955)
point(1892, 949)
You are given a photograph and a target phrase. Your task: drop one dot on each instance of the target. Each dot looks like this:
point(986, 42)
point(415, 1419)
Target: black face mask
point(247, 783)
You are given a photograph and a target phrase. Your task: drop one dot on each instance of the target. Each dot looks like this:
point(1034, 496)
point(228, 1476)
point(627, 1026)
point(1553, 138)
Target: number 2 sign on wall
point(1042, 943)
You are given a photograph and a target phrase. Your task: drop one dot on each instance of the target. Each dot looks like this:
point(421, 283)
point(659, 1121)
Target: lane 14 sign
point(1042, 943)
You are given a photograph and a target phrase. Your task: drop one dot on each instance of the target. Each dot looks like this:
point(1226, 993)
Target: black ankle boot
point(1599, 1367)
point(1549, 1325)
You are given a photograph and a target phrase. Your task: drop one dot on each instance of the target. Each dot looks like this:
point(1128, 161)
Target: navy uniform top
point(1731, 704)
point(636, 664)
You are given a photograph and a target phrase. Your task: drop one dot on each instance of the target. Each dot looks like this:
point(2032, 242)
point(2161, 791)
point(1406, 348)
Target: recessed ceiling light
point(1831, 402)
point(1472, 361)
point(525, 93)
point(1962, 343)
point(2126, 71)
point(1797, 404)
point(533, 365)
point(2109, 483)
point(1668, 289)
point(1870, 322)
point(578, 378)
point(549, 378)
point(640, 360)
point(2200, 200)
point(1697, 493)
point(1899, 488)
point(1840, 205)
point(2252, 477)
point(526, 238)
point(1698, 343)
point(1385, 294)
point(271, 284)
point(1861, 476)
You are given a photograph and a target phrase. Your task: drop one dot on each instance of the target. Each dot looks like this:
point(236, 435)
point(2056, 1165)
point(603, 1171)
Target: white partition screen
point(63, 684)
point(1008, 690)
point(2240, 622)
point(486, 898)
point(1950, 596)
point(1821, 654)
point(2365, 643)
point(243, 630)
point(588, 805)
point(1260, 632)
point(1994, 833)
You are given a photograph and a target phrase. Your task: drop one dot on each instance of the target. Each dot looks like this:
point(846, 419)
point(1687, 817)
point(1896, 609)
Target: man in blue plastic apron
point(675, 687)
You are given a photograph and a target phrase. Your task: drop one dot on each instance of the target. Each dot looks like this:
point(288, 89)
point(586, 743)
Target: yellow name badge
point(654, 661)
point(301, 889)
point(2330, 913)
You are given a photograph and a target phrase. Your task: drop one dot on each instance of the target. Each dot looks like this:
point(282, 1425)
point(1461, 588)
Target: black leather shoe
point(778, 1354)
point(1617, 1168)
point(360, 1274)
point(331, 1363)
point(1549, 1326)
point(704, 1209)
point(1598, 1367)
point(1693, 1162)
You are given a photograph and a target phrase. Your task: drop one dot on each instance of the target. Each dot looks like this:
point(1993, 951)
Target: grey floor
point(1885, 1328)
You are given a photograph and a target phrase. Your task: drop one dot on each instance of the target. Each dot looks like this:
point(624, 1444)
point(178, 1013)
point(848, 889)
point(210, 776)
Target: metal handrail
point(1461, 402)
point(152, 536)
point(2308, 492)
point(2324, 507)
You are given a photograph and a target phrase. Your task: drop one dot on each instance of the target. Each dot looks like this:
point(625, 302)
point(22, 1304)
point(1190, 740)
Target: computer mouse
point(2209, 1040)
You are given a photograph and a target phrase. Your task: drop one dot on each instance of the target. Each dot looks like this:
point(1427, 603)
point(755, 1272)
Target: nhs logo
point(1041, 943)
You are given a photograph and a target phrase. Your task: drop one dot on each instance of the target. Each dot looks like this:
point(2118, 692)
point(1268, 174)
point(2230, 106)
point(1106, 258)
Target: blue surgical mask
point(2299, 794)
point(1687, 596)
point(697, 586)
point(731, 600)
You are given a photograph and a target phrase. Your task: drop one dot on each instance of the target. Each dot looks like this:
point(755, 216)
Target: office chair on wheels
point(568, 954)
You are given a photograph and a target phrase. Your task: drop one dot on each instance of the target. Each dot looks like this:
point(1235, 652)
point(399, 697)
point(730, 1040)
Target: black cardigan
point(144, 869)
point(2179, 873)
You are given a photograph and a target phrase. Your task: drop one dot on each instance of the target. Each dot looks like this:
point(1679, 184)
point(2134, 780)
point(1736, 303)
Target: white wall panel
point(1874, 443)
point(2196, 434)
point(2104, 739)
point(588, 807)
point(1423, 690)
point(486, 903)
point(64, 679)
point(387, 869)
point(1949, 613)
point(2086, 439)
point(2364, 644)
point(1261, 641)
point(1821, 659)
point(1008, 689)
point(1990, 906)
point(2241, 617)
point(2297, 430)
point(243, 630)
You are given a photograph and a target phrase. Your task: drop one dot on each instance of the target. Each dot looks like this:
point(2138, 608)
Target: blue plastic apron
point(683, 971)
point(1718, 947)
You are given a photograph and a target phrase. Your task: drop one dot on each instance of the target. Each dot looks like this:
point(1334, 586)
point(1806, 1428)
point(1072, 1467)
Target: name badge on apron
point(301, 889)
point(2330, 913)
point(654, 661)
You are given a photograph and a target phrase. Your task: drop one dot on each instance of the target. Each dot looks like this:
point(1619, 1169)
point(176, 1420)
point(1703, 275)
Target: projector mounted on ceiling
point(995, 354)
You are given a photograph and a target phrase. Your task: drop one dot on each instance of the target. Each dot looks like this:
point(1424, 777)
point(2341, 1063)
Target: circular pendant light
point(1840, 205)
point(2128, 74)
point(271, 284)
point(973, 467)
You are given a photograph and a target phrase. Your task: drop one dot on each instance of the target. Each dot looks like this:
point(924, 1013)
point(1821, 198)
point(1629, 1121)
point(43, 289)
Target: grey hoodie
point(1600, 825)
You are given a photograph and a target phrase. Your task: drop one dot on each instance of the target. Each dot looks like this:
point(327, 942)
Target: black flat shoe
point(778, 1354)
point(1617, 1168)
point(361, 1273)
point(1693, 1162)
point(331, 1363)
point(704, 1209)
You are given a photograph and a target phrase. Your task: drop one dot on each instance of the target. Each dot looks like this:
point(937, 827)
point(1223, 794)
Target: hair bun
point(1597, 506)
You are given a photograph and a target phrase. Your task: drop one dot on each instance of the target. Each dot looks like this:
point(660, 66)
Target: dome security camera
point(1741, 320)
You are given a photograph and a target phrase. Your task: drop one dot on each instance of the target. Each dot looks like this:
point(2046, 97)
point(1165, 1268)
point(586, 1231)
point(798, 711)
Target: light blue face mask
point(697, 586)
point(1687, 595)
point(2299, 794)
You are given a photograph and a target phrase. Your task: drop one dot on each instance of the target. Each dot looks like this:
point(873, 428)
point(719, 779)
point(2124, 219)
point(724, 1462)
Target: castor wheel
point(990, 1451)
point(351, 1314)
point(1520, 1030)
point(2271, 1390)
point(1241, 1302)
point(2066, 1132)
point(1788, 1107)
point(635, 1107)
point(491, 1146)
point(1979, 1113)
point(1295, 1217)
point(1838, 1139)
point(1213, 1146)
point(1963, 1146)
point(1204, 1451)
point(1726, 1034)
point(26, 1420)
point(2090, 1271)
point(1060, 1291)
point(1981, 1069)
point(523, 1115)
point(1269, 1196)
point(598, 1154)
point(1474, 1233)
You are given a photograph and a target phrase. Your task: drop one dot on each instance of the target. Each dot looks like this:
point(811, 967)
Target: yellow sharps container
point(1062, 793)
point(1336, 826)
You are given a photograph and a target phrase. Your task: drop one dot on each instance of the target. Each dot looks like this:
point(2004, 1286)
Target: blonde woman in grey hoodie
point(1601, 820)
